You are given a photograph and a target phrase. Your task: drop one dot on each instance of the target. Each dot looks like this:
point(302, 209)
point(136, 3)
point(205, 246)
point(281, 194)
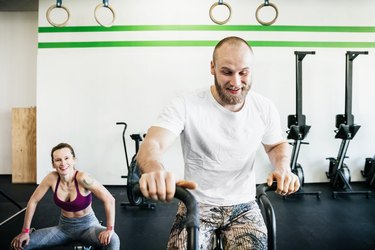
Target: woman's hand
point(20, 241)
point(105, 237)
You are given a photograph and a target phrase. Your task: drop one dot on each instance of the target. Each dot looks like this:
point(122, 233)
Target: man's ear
point(212, 68)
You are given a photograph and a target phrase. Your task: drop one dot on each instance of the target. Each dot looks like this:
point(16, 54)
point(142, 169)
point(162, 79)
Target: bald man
point(221, 129)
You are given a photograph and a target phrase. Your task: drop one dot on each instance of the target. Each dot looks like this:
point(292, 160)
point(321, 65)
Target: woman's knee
point(114, 244)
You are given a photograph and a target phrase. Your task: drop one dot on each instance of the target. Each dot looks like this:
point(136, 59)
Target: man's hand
point(187, 184)
point(161, 185)
point(287, 182)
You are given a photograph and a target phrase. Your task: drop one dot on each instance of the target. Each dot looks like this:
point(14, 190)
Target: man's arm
point(156, 182)
point(279, 155)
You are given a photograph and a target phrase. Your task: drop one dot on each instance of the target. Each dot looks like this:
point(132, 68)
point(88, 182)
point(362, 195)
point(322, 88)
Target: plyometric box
point(24, 145)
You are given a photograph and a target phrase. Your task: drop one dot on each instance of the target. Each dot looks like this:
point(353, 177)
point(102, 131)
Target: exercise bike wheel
point(346, 174)
point(299, 172)
point(133, 179)
point(133, 199)
point(332, 167)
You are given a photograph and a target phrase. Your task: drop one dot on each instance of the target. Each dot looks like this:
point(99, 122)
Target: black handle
point(192, 214)
point(124, 142)
point(268, 212)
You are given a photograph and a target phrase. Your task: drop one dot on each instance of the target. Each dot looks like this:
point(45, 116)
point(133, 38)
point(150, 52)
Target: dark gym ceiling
point(19, 5)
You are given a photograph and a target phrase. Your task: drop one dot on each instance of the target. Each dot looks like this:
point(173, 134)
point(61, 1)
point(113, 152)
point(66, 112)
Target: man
point(221, 129)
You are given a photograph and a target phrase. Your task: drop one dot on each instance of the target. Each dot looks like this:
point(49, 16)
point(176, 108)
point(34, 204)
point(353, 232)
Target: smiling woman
point(73, 191)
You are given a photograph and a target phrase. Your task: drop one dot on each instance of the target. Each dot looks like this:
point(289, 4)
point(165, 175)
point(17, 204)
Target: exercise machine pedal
point(134, 174)
point(298, 129)
point(338, 171)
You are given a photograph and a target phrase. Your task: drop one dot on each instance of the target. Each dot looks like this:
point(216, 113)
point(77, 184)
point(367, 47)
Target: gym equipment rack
point(339, 173)
point(298, 129)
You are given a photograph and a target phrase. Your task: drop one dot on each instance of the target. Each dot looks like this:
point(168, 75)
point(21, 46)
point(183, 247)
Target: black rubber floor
point(303, 222)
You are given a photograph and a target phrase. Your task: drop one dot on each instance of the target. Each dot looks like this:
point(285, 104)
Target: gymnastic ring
point(104, 6)
point(52, 7)
point(213, 7)
point(264, 5)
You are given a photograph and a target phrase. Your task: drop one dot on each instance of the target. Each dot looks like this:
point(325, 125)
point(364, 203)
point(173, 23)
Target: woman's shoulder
point(51, 178)
point(81, 175)
point(85, 179)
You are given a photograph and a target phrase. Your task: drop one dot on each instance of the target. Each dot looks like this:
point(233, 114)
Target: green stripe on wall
point(103, 44)
point(285, 28)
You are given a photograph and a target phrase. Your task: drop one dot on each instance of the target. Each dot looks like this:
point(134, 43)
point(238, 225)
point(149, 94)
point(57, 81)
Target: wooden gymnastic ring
point(97, 19)
point(270, 22)
point(48, 13)
point(217, 21)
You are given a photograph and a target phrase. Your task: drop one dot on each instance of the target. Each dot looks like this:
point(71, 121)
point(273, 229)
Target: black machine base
point(369, 171)
point(143, 205)
point(298, 170)
point(351, 192)
point(301, 192)
point(340, 180)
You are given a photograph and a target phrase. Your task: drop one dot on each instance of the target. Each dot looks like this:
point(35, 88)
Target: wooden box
point(24, 145)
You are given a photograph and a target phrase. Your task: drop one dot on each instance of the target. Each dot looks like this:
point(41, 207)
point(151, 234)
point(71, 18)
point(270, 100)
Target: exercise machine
point(338, 172)
point(298, 129)
point(133, 173)
point(192, 214)
point(268, 214)
point(369, 171)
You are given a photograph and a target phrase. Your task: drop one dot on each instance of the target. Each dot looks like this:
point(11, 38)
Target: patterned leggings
point(85, 229)
point(242, 227)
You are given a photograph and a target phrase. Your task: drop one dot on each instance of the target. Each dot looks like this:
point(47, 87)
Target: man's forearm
point(157, 141)
point(279, 156)
point(148, 157)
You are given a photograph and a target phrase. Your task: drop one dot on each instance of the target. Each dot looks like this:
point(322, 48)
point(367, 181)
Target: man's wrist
point(26, 230)
point(154, 165)
point(110, 228)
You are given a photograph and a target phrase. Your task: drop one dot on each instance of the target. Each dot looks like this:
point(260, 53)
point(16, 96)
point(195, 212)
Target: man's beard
point(227, 98)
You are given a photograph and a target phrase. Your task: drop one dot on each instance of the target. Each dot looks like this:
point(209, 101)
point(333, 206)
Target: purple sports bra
point(79, 203)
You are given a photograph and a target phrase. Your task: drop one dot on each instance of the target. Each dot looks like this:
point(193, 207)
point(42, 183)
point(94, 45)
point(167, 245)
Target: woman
point(72, 192)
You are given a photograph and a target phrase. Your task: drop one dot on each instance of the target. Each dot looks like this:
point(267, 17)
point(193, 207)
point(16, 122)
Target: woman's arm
point(40, 191)
point(108, 200)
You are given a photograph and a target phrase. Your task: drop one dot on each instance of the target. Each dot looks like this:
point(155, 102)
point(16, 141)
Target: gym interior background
point(83, 78)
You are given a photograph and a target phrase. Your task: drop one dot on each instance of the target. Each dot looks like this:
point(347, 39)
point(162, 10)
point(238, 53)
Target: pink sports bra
point(79, 203)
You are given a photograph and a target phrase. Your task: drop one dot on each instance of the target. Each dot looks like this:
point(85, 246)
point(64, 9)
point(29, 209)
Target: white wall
point(18, 49)
point(83, 92)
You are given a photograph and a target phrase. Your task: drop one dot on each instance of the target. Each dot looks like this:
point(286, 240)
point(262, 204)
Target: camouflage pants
point(241, 226)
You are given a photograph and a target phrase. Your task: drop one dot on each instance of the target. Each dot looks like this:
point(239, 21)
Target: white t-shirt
point(219, 146)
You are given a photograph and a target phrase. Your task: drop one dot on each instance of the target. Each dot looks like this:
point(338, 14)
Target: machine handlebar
point(192, 214)
point(268, 212)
